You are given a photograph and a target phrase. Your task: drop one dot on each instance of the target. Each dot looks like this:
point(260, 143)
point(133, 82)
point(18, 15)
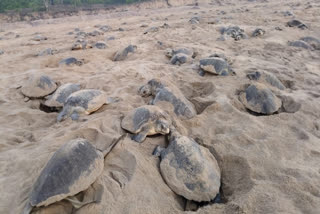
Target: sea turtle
point(39, 38)
point(215, 65)
point(235, 32)
point(81, 45)
point(189, 169)
point(300, 44)
point(260, 99)
point(105, 28)
point(84, 101)
point(313, 42)
point(38, 86)
point(95, 33)
point(111, 38)
point(267, 77)
point(71, 61)
point(71, 169)
point(194, 20)
point(297, 23)
point(165, 25)
point(81, 34)
point(48, 51)
point(258, 32)
point(151, 30)
point(287, 13)
point(101, 45)
point(179, 59)
point(122, 54)
point(187, 51)
point(58, 98)
point(168, 96)
point(179, 55)
point(146, 120)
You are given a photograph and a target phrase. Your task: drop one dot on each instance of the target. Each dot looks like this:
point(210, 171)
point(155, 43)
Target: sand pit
point(269, 163)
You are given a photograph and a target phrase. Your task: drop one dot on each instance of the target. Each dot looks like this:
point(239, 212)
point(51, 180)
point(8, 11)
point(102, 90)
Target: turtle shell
point(266, 77)
point(70, 61)
point(260, 99)
point(190, 170)
point(122, 54)
point(61, 94)
point(313, 42)
point(72, 169)
point(216, 65)
point(138, 117)
point(38, 86)
point(89, 99)
point(300, 44)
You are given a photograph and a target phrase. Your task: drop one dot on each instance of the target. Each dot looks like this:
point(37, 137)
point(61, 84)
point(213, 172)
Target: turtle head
point(162, 127)
point(254, 76)
point(169, 52)
point(145, 90)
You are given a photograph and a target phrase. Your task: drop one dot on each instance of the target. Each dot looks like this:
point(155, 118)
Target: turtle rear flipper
point(157, 151)
point(111, 100)
point(60, 116)
point(96, 197)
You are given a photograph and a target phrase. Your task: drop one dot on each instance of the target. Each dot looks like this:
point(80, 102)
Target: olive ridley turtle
point(187, 51)
point(146, 120)
point(260, 99)
point(72, 169)
point(39, 38)
point(179, 55)
point(258, 32)
point(81, 45)
point(300, 44)
point(58, 98)
point(297, 23)
point(38, 86)
point(313, 42)
point(234, 32)
point(189, 169)
point(164, 94)
point(71, 61)
point(84, 101)
point(266, 77)
point(216, 65)
point(122, 54)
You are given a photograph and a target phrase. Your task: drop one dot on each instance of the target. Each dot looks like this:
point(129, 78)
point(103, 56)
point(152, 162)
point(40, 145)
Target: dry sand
point(270, 164)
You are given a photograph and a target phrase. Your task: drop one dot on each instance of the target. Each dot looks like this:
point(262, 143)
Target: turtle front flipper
point(202, 73)
point(27, 208)
point(63, 114)
point(96, 197)
point(151, 102)
point(140, 137)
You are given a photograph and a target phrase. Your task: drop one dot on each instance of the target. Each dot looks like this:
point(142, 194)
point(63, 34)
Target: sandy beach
point(269, 163)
